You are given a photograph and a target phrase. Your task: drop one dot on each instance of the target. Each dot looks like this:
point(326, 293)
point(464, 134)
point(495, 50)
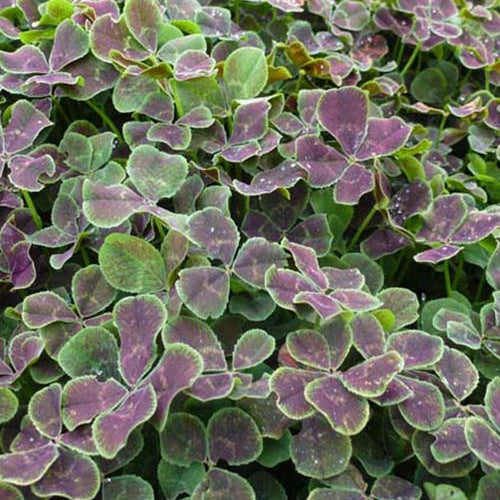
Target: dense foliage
point(249, 249)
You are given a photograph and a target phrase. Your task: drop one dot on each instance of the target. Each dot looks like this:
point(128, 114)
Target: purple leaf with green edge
point(354, 183)
point(318, 451)
point(212, 386)
point(220, 483)
point(329, 494)
point(199, 336)
point(457, 373)
point(177, 370)
point(445, 315)
point(193, 64)
point(134, 446)
point(44, 409)
point(335, 106)
point(351, 15)
point(112, 429)
point(183, 440)
point(483, 441)
point(131, 264)
point(144, 20)
point(43, 308)
point(9, 405)
point(477, 226)
point(156, 174)
point(204, 290)
point(25, 124)
point(402, 303)
point(71, 42)
point(83, 398)
point(271, 421)
point(45, 371)
point(127, 486)
point(306, 262)
point(421, 443)
point(339, 337)
point(391, 487)
point(26, 60)
point(250, 121)
point(9, 492)
point(284, 211)
point(450, 443)
point(107, 35)
point(446, 214)
point(373, 273)
point(92, 351)
point(131, 90)
point(175, 136)
point(492, 401)
point(200, 117)
point(493, 117)
point(78, 151)
point(417, 348)
point(109, 206)
point(174, 249)
point(368, 335)
point(289, 385)
point(323, 164)
point(213, 21)
point(56, 335)
point(139, 320)
point(255, 257)
point(98, 76)
point(27, 467)
point(252, 349)
point(284, 285)
point(72, 475)
point(425, 409)
point(395, 393)
point(157, 105)
point(259, 225)
point(245, 387)
point(314, 232)
point(245, 73)
point(25, 171)
point(409, 200)
point(347, 414)
point(344, 278)
point(384, 136)
point(371, 377)
point(356, 300)
point(28, 438)
point(488, 485)
point(216, 233)
point(310, 348)
point(324, 305)
point(24, 348)
point(288, 124)
point(436, 255)
point(91, 292)
point(233, 436)
point(175, 47)
point(185, 199)
point(286, 175)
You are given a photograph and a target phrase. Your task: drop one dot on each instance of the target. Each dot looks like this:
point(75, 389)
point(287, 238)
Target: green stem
point(458, 274)
point(34, 214)
point(237, 11)
point(400, 53)
point(159, 225)
point(362, 227)
point(479, 291)
point(106, 120)
point(441, 127)
point(85, 255)
point(447, 280)
point(414, 54)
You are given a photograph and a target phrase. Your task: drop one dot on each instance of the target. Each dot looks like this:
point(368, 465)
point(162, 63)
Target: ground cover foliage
point(249, 250)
